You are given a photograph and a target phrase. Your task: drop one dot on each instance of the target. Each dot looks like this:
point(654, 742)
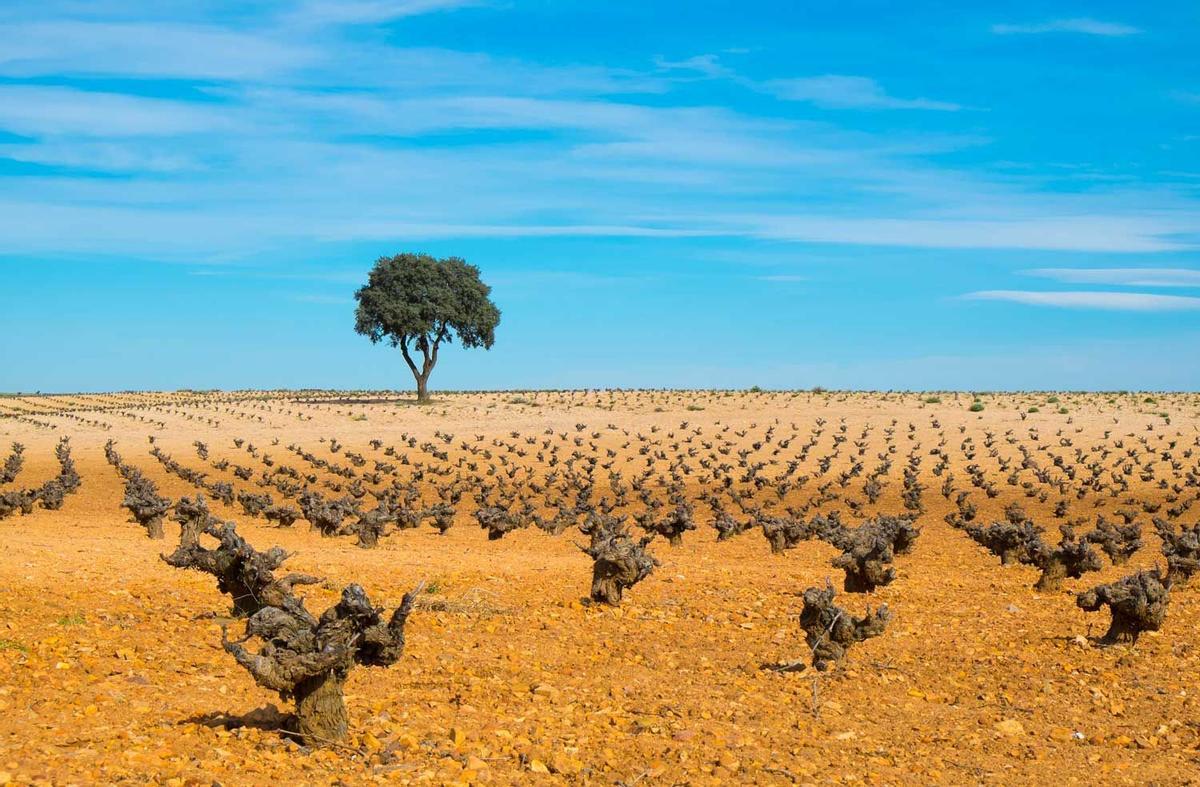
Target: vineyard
point(653, 587)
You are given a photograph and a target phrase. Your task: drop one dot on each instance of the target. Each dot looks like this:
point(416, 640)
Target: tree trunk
point(321, 716)
point(1123, 629)
point(605, 587)
point(1052, 576)
point(429, 352)
point(244, 602)
point(154, 527)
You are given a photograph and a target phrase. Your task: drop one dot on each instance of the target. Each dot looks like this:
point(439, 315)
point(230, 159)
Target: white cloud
point(286, 55)
point(53, 111)
point(145, 49)
point(705, 65)
point(1131, 277)
point(1084, 25)
point(354, 230)
point(318, 12)
point(329, 133)
point(836, 91)
point(102, 156)
point(324, 300)
point(1066, 233)
point(1110, 301)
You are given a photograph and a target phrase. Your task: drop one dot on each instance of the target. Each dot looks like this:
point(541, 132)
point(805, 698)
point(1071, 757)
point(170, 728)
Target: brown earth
point(110, 671)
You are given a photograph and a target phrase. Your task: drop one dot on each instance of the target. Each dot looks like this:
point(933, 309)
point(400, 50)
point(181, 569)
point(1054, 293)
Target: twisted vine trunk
point(321, 714)
point(606, 582)
point(1052, 576)
point(154, 528)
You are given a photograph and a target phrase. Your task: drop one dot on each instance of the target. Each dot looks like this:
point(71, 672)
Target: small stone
point(1010, 727)
point(562, 764)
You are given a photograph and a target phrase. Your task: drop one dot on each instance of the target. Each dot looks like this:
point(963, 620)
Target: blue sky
point(701, 194)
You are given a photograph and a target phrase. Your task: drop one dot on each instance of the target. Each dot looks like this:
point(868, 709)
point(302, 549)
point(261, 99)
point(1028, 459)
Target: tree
point(417, 302)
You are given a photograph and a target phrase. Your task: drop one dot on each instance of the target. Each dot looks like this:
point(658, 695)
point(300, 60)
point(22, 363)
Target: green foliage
point(1035, 409)
point(415, 296)
point(976, 407)
point(416, 302)
point(76, 619)
point(933, 400)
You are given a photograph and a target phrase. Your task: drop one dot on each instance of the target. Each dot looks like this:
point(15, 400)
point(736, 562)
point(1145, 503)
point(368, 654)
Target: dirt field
point(112, 671)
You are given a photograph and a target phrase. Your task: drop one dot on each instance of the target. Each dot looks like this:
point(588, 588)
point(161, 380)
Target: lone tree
point(417, 302)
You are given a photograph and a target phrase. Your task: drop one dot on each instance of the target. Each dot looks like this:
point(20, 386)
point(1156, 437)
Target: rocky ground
point(112, 671)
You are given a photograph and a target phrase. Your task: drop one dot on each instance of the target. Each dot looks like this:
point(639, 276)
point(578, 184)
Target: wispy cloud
point(1065, 233)
point(385, 229)
point(706, 65)
point(372, 11)
point(1109, 301)
point(262, 136)
point(1084, 25)
point(1131, 277)
point(323, 300)
point(837, 91)
point(56, 111)
point(106, 156)
point(145, 49)
point(537, 280)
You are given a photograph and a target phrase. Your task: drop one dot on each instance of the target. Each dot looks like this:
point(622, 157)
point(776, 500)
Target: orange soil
point(109, 674)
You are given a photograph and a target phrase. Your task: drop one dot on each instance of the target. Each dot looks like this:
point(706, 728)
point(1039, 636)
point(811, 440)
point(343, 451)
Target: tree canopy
point(416, 302)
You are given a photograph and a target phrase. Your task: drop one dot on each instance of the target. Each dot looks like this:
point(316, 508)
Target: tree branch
point(408, 358)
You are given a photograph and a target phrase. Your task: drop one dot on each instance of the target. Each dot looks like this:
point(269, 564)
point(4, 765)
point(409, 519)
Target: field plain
point(111, 667)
